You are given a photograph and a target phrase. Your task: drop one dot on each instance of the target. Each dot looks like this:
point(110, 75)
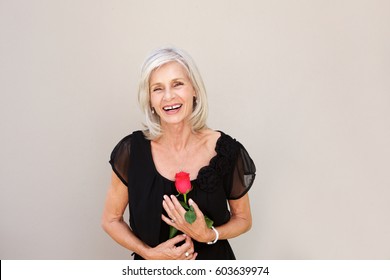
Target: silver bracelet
point(216, 236)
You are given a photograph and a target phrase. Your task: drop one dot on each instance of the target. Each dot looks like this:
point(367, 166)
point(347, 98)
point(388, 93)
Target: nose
point(168, 95)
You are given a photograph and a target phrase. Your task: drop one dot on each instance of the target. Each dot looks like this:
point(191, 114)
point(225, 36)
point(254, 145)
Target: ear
point(194, 103)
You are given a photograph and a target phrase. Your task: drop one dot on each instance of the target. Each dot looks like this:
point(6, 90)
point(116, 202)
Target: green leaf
point(209, 222)
point(190, 215)
point(172, 231)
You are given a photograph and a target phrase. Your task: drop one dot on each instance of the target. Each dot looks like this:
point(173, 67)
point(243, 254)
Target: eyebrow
point(173, 80)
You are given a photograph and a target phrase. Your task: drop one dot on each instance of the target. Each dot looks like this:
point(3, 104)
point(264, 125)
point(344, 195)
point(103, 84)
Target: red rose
point(183, 186)
point(183, 183)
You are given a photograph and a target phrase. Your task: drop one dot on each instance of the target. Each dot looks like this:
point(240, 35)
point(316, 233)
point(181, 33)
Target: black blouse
point(229, 175)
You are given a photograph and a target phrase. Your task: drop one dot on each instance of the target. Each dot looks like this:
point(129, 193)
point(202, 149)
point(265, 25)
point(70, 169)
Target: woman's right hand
point(169, 251)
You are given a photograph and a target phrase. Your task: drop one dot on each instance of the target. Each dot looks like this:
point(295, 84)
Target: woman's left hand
point(198, 230)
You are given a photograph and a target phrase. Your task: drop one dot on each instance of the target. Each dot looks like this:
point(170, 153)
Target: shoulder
point(211, 135)
point(227, 140)
point(126, 142)
point(227, 145)
point(220, 142)
point(233, 147)
point(209, 138)
point(214, 136)
point(138, 134)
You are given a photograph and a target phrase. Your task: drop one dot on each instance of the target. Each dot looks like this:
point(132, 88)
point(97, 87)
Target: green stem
point(185, 198)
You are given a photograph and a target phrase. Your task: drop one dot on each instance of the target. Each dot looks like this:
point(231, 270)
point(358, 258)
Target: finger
point(168, 220)
point(178, 238)
point(188, 252)
point(166, 208)
point(171, 214)
point(196, 208)
point(187, 255)
point(194, 255)
point(188, 244)
point(186, 249)
point(170, 208)
point(179, 208)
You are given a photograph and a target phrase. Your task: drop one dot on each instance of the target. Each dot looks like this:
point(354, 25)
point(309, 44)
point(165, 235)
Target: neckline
point(194, 180)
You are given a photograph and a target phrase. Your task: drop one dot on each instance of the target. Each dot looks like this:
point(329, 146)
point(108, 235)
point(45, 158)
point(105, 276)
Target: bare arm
point(113, 223)
point(240, 221)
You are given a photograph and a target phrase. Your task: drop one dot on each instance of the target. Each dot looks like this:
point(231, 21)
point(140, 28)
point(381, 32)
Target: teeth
point(174, 107)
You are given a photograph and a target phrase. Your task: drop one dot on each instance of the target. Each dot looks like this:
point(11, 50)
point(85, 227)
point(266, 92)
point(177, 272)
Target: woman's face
point(171, 93)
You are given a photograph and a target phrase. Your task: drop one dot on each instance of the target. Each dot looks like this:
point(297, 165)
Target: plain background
point(304, 85)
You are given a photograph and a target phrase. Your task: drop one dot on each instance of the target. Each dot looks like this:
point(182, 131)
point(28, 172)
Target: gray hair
point(155, 60)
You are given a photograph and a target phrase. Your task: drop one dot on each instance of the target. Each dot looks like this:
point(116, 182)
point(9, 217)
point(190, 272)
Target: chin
point(173, 121)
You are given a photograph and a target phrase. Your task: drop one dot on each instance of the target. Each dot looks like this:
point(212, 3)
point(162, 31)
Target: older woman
point(176, 139)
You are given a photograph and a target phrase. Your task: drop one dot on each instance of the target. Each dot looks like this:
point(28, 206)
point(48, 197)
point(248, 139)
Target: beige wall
point(303, 84)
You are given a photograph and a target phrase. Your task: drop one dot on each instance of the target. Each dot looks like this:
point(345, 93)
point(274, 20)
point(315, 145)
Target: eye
point(156, 89)
point(177, 84)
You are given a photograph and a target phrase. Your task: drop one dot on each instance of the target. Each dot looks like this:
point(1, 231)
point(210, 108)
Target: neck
point(177, 137)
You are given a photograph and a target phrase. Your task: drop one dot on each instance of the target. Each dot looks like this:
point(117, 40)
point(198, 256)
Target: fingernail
point(190, 201)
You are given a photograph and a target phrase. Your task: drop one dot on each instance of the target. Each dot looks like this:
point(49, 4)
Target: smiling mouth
point(173, 107)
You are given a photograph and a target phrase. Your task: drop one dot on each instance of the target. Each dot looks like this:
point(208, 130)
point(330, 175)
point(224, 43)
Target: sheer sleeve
point(120, 159)
point(244, 173)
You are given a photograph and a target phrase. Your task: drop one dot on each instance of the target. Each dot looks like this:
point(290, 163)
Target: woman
point(145, 163)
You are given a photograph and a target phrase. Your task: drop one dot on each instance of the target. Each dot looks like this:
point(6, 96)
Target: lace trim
point(211, 177)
